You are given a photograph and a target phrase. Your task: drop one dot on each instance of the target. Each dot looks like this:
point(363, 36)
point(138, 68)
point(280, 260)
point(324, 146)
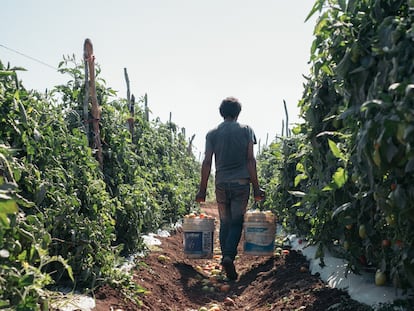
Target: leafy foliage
point(59, 211)
point(354, 156)
point(24, 240)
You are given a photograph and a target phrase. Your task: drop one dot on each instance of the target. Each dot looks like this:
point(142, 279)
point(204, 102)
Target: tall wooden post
point(132, 116)
point(190, 144)
point(95, 111)
point(287, 119)
point(146, 107)
point(86, 101)
point(130, 102)
point(128, 91)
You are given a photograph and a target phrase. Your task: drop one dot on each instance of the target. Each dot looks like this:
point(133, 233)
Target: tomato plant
point(352, 179)
point(75, 219)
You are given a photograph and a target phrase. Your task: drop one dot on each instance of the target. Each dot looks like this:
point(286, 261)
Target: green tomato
point(346, 245)
point(390, 219)
point(337, 123)
point(362, 232)
point(380, 278)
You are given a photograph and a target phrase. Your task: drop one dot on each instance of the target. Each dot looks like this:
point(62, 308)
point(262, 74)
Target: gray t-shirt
point(229, 141)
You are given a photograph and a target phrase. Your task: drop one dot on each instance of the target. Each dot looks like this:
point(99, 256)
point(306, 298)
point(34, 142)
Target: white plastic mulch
point(361, 287)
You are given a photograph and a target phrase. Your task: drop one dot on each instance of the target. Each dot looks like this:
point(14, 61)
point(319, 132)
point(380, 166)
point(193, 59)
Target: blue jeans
point(232, 199)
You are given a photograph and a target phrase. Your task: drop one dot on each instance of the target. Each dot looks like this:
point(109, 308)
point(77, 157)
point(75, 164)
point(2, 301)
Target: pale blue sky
point(187, 55)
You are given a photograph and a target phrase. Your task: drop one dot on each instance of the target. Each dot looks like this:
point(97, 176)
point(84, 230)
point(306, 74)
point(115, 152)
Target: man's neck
point(230, 119)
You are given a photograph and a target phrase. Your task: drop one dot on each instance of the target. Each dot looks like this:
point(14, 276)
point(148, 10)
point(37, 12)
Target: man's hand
point(259, 194)
point(201, 196)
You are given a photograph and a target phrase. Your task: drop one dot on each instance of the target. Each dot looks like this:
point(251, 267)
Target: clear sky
point(187, 55)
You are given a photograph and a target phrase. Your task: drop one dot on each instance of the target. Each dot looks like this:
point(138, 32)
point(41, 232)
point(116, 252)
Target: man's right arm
point(205, 174)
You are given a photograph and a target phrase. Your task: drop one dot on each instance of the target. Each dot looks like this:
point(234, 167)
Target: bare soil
point(174, 282)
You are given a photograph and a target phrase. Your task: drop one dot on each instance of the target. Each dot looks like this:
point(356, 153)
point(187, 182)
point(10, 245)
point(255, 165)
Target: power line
point(29, 57)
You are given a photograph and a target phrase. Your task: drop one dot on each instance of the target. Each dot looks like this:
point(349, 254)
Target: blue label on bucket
point(257, 230)
point(259, 238)
point(254, 248)
point(193, 242)
point(198, 242)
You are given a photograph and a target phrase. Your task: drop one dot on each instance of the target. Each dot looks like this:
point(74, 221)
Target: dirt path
point(174, 282)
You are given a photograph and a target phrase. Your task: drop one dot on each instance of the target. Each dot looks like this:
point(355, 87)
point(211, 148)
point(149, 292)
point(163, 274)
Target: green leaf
point(335, 150)
point(319, 251)
point(394, 86)
point(344, 65)
point(299, 178)
point(328, 187)
point(26, 280)
point(26, 235)
point(23, 113)
point(316, 7)
point(4, 73)
point(341, 208)
point(298, 194)
point(61, 260)
point(375, 103)
point(340, 177)
point(8, 207)
point(297, 204)
point(342, 4)
point(408, 131)
point(297, 130)
point(300, 167)
point(4, 304)
point(326, 69)
point(4, 196)
point(4, 221)
point(409, 167)
point(8, 187)
point(409, 272)
point(391, 152)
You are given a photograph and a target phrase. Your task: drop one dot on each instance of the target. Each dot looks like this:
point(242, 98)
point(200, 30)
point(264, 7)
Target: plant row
point(64, 220)
point(345, 179)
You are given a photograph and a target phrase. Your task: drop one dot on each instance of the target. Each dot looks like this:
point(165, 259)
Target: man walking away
point(231, 143)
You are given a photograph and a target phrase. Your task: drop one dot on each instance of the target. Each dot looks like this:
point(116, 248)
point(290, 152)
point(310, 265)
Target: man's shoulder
point(244, 126)
point(247, 127)
point(216, 128)
point(212, 131)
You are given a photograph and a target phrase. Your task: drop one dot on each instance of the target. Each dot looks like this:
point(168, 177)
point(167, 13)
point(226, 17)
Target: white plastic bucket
point(259, 233)
point(198, 237)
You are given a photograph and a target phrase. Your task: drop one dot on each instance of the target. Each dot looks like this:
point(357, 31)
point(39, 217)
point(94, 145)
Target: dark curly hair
point(230, 107)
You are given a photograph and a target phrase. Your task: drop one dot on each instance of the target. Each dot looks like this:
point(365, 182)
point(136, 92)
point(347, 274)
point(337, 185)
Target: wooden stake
point(190, 144)
point(132, 111)
point(95, 111)
point(287, 119)
point(86, 101)
point(146, 107)
point(128, 91)
point(130, 105)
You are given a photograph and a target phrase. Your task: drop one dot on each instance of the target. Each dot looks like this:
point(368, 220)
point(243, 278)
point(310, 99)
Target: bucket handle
point(257, 205)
